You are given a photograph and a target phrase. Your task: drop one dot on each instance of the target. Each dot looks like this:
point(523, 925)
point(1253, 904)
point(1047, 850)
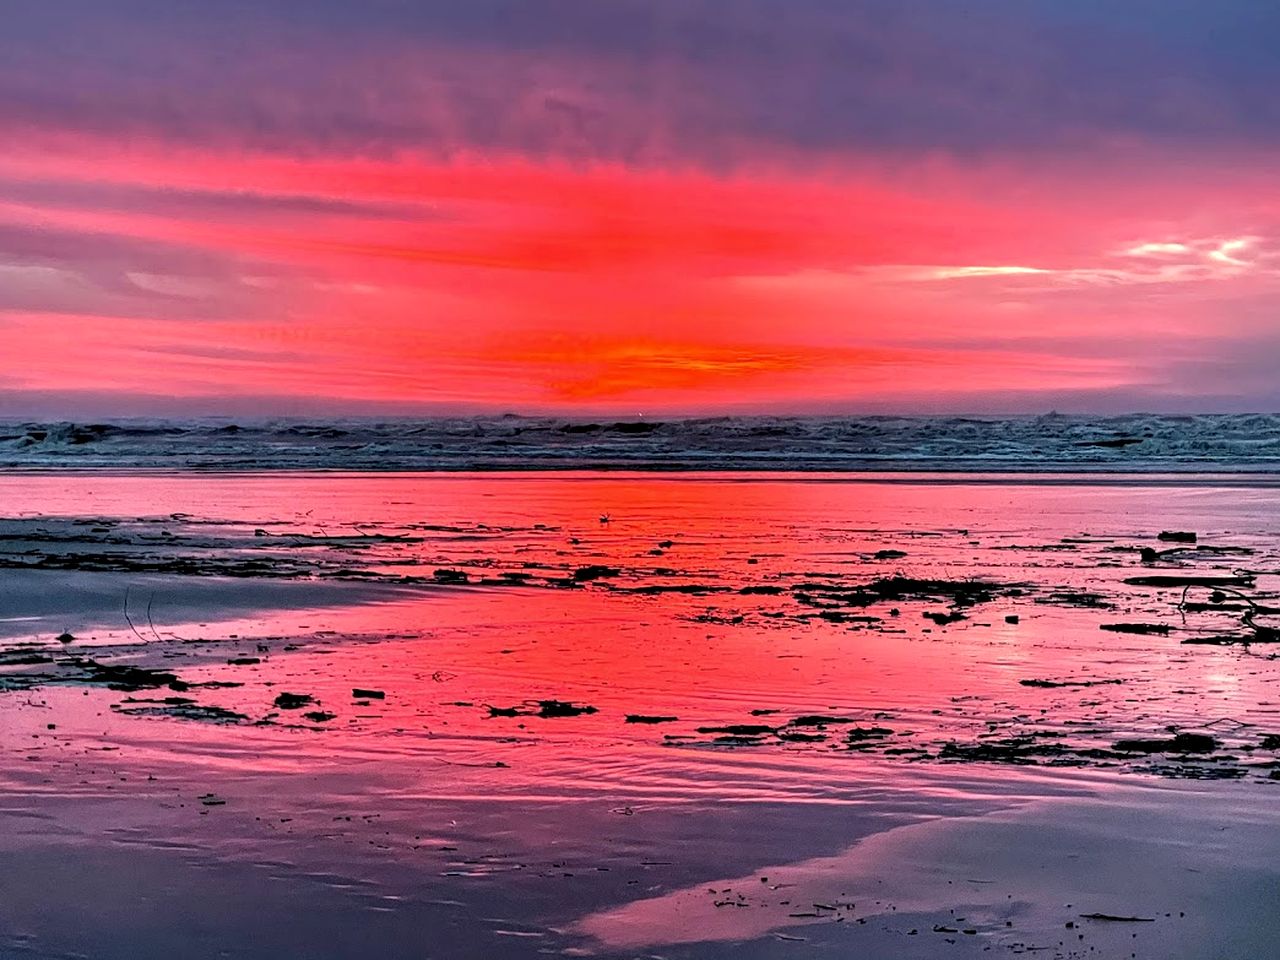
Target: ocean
point(1131, 443)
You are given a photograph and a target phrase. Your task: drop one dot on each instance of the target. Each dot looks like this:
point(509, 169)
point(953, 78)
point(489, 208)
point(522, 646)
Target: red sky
point(168, 249)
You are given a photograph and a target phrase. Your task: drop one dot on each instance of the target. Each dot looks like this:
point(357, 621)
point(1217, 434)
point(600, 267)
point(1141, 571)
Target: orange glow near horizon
point(503, 283)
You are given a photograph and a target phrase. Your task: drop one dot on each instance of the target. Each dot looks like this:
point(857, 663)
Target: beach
point(639, 480)
point(631, 714)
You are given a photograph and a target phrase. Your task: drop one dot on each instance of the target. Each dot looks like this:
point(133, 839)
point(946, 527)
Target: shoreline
point(979, 476)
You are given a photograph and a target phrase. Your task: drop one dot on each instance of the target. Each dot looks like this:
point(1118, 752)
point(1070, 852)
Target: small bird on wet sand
point(604, 518)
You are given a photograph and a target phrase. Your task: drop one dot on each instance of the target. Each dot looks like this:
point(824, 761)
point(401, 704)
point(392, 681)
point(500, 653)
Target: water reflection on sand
point(773, 677)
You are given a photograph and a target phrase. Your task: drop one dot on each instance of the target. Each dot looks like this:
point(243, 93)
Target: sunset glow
point(421, 211)
point(715, 479)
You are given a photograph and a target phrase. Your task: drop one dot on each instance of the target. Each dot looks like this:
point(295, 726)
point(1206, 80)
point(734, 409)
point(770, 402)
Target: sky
point(581, 206)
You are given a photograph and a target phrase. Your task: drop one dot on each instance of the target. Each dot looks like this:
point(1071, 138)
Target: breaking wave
point(1136, 442)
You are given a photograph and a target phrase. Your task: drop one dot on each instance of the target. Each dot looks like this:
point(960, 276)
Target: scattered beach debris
point(1141, 628)
point(740, 729)
point(1249, 610)
point(118, 676)
point(188, 710)
point(815, 591)
point(1114, 918)
point(1180, 743)
point(594, 572)
point(1170, 580)
point(865, 734)
point(896, 589)
point(293, 701)
point(1200, 552)
point(562, 708)
point(1018, 750)
point(23, 658)
point(799, 736)
point(819, 720)
point(1076, 598)
point(546, 709)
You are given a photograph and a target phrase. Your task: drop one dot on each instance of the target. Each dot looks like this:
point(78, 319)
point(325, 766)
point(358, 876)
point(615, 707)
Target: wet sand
point(457, 716)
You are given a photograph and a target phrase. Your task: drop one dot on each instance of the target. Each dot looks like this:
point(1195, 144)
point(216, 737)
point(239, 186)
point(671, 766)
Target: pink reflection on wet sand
point(363, 607)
